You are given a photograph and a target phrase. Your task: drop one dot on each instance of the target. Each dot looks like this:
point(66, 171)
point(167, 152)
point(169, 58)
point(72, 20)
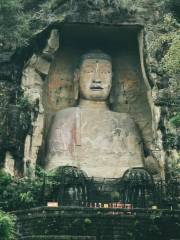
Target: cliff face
point(25, 68)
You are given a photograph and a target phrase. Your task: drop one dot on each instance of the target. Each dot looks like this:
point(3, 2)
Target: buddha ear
point(111, 95)
point(111, 98)
point(76, 84)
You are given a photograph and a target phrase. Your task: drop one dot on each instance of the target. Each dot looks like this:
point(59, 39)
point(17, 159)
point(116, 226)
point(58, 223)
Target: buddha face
point(95, 79)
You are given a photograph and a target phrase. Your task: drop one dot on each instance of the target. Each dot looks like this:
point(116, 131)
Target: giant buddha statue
point(90, 136)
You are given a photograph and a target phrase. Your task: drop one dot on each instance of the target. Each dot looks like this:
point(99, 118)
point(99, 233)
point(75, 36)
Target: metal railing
point(95, 192)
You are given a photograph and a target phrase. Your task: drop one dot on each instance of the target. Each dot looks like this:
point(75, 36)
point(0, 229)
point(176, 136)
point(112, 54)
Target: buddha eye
point(89, 71)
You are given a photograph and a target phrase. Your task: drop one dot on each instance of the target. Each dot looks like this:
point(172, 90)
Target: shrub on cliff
point(19, 193)
point(14, 24)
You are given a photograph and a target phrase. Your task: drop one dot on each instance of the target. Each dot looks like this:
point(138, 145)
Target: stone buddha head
point(95, 76)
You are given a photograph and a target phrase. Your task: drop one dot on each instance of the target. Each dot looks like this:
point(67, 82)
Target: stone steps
point(78, 224)
point(107, 229)
point(59, 237)
point(114, 237)
point(50, 224)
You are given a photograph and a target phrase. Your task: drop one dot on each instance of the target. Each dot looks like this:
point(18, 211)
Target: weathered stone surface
point(151, 163)
point(52, 44)
point(40, 64)
point(102, 143)
point(32, 84)
point(32, 145)
point(9, 164)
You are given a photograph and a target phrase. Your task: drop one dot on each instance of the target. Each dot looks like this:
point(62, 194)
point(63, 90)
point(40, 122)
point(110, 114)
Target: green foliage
point(26, 197)
point(5, 178)
point(174, 6)
point(87, 221)
point(171, 60)
point(164, 49)
point(155, 228)
point(7, 226)
point(115, 196)
point(80, 225)
point(171, 141)
point(31, 4)
point(14, 24)
point(40, 172)
point(174, 169)
point(175, 120)
point(155, 215)
point(24, 104)
point(144, 231)
point(20, 193)
point(165, 35)
point(20, 19)
point(128, 6)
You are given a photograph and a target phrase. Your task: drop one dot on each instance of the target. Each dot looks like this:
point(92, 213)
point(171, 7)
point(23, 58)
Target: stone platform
point(78, 223)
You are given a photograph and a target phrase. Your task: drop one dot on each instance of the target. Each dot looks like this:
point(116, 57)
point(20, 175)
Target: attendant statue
point(90, 136)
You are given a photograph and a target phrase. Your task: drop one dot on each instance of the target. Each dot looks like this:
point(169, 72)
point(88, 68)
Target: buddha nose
point(97, 81)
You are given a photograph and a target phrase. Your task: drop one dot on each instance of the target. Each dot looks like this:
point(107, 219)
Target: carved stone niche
point(130, 93)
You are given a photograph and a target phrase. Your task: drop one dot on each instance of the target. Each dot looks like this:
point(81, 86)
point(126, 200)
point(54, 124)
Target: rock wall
point(36, 69)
